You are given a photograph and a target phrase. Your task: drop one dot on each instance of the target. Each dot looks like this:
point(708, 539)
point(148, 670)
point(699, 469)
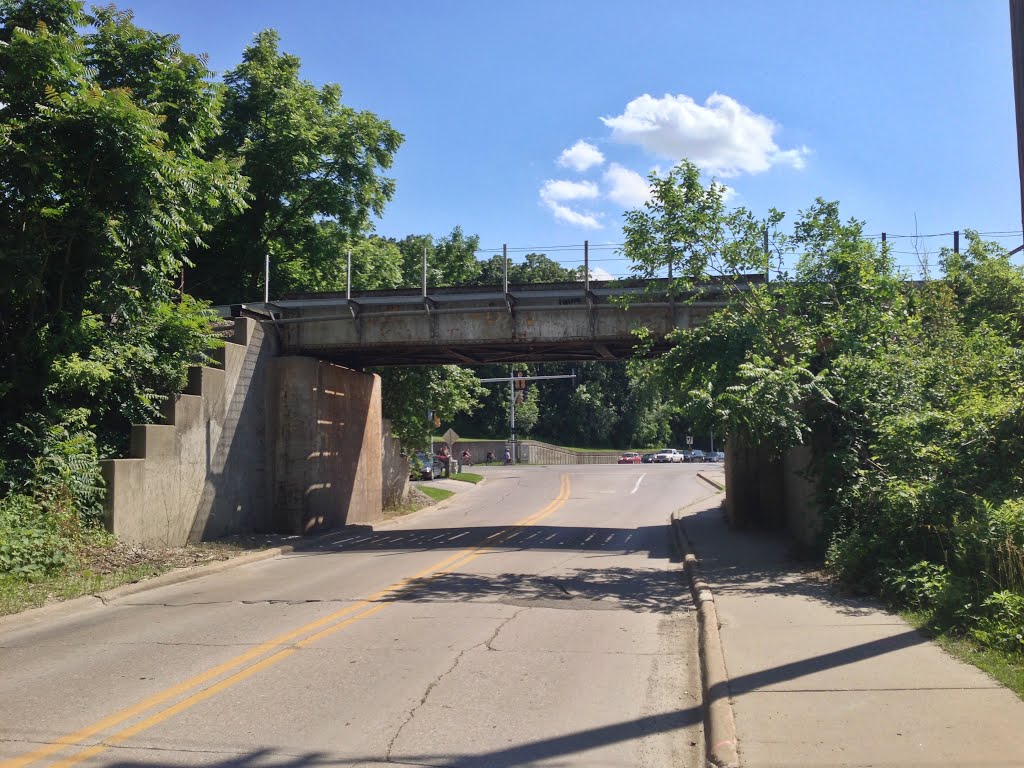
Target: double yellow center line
point(285, 645)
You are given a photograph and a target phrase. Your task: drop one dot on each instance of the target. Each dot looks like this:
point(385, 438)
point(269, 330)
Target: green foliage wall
point(914, 393)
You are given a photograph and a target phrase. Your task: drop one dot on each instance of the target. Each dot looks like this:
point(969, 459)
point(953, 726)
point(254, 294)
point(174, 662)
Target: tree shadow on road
point(633, 589)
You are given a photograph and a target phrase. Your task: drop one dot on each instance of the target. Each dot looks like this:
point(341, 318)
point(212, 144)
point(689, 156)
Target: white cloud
point(728, 193)
point(560, 189)
point(580, 156)
point(554, 193)
point(721, 136)
point(625, 187)
point(600, 273)
point(571, 216)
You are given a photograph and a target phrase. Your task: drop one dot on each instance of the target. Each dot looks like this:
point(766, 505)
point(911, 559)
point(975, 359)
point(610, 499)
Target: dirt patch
point(110, 558)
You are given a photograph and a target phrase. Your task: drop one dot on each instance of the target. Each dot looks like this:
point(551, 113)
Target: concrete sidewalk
point(817, 679)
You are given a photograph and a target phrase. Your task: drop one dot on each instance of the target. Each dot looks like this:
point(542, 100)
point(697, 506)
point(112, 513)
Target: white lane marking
point(638, 481)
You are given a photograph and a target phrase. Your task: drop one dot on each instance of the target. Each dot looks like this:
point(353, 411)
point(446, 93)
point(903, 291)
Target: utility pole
point(1017, 49)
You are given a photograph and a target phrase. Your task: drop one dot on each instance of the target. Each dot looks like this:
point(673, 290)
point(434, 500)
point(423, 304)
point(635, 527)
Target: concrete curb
point(711, 481)
point(720, 742)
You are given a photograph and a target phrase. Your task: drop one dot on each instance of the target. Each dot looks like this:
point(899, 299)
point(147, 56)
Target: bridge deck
point(476, 326)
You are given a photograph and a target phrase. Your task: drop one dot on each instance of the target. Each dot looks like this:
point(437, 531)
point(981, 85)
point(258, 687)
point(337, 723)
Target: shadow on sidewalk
point(855, 653)
point(756, 563)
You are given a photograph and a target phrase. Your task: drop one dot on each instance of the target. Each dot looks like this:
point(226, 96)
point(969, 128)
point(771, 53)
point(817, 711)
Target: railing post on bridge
point(586, 266)
point(504, 267)
point(956, 241)
point(348, 275)
point(424, 271)
point(266, 278)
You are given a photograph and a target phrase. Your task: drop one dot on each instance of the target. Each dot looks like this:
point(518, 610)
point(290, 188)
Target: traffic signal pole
point(513, 381)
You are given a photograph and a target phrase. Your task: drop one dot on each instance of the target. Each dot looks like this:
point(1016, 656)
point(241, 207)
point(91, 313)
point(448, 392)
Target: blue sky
point(896, 109)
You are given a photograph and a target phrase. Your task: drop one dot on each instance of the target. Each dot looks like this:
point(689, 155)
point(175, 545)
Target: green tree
point(314, 171)
point(451, 260)
point(105, 181)
point(680, 228)
point(986, 285)
point(409, 394)
point(535, 268)
point(909, 395)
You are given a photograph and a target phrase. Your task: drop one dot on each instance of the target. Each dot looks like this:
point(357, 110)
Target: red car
point(629, 458)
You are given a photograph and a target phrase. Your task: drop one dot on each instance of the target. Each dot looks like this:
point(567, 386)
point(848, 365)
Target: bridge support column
point(767, 492)
point(325, 423)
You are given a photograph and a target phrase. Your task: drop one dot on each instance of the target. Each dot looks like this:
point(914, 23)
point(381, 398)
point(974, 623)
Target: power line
point(577, 247)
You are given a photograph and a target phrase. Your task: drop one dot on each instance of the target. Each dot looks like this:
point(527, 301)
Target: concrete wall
point(478, 450)
point(534, 452)
point(327, 457)
point(200, 475)
point(755, 489)
point(394, 468)
point(804, 519)
point(768, 492)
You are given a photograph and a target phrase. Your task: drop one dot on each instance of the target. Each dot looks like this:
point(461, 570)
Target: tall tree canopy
point(314, 171)
point(106, 179)
point(451, 259)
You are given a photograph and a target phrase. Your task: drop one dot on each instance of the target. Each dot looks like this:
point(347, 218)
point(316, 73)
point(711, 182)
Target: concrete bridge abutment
point(259, 444)
point(327, 456)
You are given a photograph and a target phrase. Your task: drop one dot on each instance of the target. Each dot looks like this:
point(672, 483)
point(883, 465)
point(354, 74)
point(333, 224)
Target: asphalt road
point(534, 620)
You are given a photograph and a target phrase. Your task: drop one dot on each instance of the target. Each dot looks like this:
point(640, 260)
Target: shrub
point(31, 543)
point(922, 584)
point(54, 492)
point(1002, 621)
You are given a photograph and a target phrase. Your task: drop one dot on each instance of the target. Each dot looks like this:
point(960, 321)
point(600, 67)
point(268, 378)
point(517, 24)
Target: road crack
point(437, 680)
point(264, 601)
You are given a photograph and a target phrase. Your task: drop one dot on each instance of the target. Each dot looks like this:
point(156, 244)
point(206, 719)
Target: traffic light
point(520, 383)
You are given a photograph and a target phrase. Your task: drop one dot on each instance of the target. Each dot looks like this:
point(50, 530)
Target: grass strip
point(437, 494)
point(18, 595)
point(1005, 668)
point(468, 477)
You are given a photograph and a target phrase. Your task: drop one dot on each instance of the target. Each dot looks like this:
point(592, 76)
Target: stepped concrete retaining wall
point(201, 475)
point(260, 444)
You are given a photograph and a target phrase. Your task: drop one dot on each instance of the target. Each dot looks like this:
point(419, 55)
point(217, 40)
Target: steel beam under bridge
point(476, 326)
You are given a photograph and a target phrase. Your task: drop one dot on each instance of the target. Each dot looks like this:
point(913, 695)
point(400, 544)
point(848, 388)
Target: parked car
point(695, 455)
point(629, 458)
point(718, 456)
point(424, 466)
point(647, 458)
point(667, 456)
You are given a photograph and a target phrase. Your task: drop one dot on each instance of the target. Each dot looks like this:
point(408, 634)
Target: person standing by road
point(508, 456)
point(446, 460)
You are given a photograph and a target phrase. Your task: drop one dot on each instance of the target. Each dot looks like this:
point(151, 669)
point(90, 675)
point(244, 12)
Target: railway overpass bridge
point(286, 433)
point(478, 326)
